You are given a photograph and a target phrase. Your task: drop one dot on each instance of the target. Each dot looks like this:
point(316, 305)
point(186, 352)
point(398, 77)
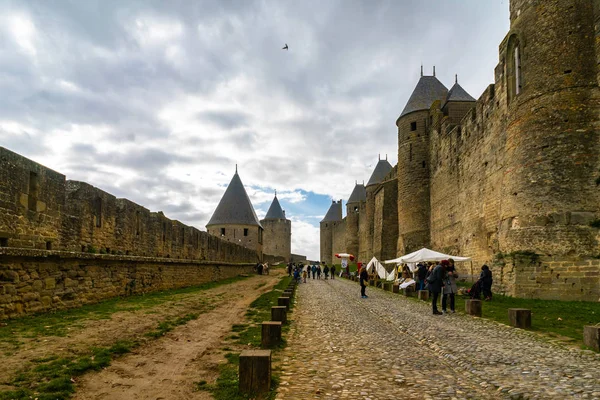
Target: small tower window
point(413, 126)
point(222, 231)
point(3, 242)
point(245, 231)
point(514, 77)
point(517, 71)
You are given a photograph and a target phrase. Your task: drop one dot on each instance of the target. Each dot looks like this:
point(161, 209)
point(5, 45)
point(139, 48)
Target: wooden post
point(423, 295)
point(387, 286)
point(473, 307)
point(255, 371)
point(591, 337)
point(271, 334)
point(519, 317)
point(284, 301)
point(395, 288)
point(278, 313)
point(371, 282)
point(409, 291)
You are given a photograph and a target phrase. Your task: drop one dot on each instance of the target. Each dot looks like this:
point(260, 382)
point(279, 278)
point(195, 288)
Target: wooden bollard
point(423, 295)
point(255, 371)
point(387, 286)
point(591, 337)
point(278, 313)
point(409, 292)
point(284, 301)
point(519, 317)
point(288, 293)
point(473, 307)
point(371, 282)
point(271, 334)
point(395, 288)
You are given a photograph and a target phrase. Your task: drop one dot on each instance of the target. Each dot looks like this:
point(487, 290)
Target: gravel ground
point(387, 347)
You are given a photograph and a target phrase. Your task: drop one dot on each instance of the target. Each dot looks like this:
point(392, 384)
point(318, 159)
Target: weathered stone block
point(591, 337)
point(255, 371)
point(50, 283)
point(271, 334)
point(519, 317)
point(473, 307)
point(37, 285)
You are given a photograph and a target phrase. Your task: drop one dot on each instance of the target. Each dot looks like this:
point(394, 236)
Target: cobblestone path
point(389, 347)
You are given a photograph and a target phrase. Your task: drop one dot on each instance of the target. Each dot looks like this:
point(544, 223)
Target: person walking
point(364, 278)
point(421, 275)
point(450, 288)
point(436, 282)
point(333, 272)
point(314, 271)
point(318, 272)
point(326, 271)
point(304, 275)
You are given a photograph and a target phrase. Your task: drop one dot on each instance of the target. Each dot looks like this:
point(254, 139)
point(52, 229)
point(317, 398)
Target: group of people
point(439, 278)
point(262, 268)
point(302, 272)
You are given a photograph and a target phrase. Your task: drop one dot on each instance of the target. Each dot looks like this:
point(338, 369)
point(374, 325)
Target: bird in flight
point(285, 47)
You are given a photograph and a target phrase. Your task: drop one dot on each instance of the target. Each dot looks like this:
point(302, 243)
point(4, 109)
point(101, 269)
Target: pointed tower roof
point(382, 168)
point(457, 93)
point(235, 206)
point(358, 194)
point(334, 213)
point(275, 211)
point(428, 90)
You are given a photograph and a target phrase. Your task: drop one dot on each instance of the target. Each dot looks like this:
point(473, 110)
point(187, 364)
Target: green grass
point(59, 323)
point(247, 336)
point(53, 377)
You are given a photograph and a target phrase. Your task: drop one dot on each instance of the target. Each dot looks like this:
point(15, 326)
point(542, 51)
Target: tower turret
point(413, 165)
point(548, 62)
point(277, 232)
point(382, 168)
point(327, 225)
point(354, 205)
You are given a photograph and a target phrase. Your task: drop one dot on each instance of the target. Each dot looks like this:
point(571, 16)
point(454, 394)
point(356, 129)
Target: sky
point(158, 101)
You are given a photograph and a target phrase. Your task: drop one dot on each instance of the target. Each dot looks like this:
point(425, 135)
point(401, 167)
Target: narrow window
point(517, 71)
point(33, 190)
point(98, 212)
point(355, 209)
point(48, 245)
point(413, 126)
point(245, 231)
point(222, 231)
point(4, 242)
point(260, 237)
point(423, 164)
point(164, 230)
point(410, 153)
point(137, 223)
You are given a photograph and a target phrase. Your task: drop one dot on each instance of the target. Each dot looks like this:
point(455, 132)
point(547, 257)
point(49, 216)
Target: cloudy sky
point(157, 101)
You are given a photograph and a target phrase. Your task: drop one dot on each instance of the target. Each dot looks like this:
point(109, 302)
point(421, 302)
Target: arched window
point(513, 67)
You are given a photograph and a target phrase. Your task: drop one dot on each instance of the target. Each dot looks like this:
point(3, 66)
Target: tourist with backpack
point(435, 282)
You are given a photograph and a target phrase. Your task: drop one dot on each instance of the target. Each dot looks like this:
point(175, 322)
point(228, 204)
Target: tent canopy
point(425, 255)
point(380, 269)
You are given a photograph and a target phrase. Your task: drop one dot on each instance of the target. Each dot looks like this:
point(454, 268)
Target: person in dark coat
point(333, 272)
point(364, 278)
point(486, 282)
point(436, 282)
point(326, 271)
point(421, 275)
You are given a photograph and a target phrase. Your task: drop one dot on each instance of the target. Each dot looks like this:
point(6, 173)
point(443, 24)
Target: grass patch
point(53, 377)
point(166, 326)
point(61, 322)
point(247, 336)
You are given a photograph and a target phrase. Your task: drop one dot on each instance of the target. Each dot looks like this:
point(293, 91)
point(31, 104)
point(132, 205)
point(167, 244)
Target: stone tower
point(413, 164)
point(382, 168)
point(549, 60)
point(277, 232)
point(234, 219)
point(355, 205)
point(328, 225)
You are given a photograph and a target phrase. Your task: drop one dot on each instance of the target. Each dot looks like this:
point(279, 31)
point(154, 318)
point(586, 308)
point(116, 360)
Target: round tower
point(552, 171)
point(327, 225)
point(414, 210)
point(353, 206)
point(277, 238)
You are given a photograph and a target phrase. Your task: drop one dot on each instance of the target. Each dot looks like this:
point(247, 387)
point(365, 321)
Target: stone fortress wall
point(66, 243)
point(513, 178)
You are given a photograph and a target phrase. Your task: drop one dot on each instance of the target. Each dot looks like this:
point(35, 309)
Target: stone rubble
point(387, 347)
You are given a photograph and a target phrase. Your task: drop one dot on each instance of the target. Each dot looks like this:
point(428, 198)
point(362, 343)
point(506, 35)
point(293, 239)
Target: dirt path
point(160, 368)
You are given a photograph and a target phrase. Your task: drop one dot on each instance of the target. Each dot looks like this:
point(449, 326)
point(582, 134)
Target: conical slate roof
point(382, 168)
point(275, 211)
point(235, 206)
point(457, 93)
point(334, 213)
point(358, 194)
point(428, 90)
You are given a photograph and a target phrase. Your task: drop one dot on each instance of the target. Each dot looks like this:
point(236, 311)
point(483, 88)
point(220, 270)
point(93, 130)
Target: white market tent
point(380, 269)
point(425, 255)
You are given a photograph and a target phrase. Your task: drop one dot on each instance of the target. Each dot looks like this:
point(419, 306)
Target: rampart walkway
point(389, 347)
